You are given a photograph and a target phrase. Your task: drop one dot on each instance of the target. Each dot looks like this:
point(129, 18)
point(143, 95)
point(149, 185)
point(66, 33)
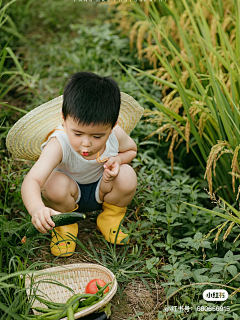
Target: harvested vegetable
point(93, 286)
point(74, 304)
point(59, 220)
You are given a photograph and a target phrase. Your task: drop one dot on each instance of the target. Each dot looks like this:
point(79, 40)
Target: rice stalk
point(133, 32)
point(226, 234)
point(212, 159)
point(238, 192)
point(164, 75)
point(140, 36)
point(220, 228)
point(225, 151)
point(171, 28)
point(236, 238)
point(234, 166)
point(149, 53)
point(174, 135)
point(194, 49)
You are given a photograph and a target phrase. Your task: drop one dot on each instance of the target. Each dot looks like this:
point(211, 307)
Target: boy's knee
point(56, 188)
point(127, 179)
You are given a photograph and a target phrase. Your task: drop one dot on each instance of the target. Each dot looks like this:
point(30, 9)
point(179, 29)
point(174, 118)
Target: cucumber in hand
point(59, 220)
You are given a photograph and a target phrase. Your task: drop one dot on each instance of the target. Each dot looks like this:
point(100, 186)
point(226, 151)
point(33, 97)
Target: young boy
point(83, 165)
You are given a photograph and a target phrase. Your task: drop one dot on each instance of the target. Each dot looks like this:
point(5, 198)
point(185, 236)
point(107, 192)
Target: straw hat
point(28, 133)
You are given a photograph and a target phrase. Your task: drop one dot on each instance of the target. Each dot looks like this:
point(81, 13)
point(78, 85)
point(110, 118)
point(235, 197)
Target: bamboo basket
point(75, 276)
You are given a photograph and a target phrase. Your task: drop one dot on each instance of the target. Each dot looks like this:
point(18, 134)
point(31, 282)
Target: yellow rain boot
point(61, 242)
point(108, 222)
point(60, 247)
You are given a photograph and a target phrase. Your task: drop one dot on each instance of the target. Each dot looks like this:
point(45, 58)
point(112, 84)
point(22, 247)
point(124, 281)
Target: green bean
point(89, 301)
point(73, 298)
point(70, 313)
point(78, 296)
point(55, 316)
point(59, 310)
point(51, 304)
point(103, 288)
point(82, 308)
point(87, 306)
point(45, 310)
point(49, 316)
point(63, 312)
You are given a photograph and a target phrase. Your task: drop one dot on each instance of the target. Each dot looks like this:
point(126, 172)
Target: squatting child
point(83, 163)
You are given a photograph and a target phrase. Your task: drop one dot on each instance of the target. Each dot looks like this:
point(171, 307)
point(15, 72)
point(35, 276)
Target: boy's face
point(87, 140)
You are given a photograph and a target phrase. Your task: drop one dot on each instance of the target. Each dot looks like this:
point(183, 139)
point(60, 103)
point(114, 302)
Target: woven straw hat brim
point(28, 133)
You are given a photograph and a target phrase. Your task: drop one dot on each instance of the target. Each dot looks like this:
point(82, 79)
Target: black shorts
point(88, 198)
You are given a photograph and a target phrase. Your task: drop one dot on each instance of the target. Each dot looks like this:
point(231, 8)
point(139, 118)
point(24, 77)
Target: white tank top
point(74, 165)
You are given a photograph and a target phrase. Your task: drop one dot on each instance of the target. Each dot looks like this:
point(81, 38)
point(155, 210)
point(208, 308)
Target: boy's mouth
point(85, 153)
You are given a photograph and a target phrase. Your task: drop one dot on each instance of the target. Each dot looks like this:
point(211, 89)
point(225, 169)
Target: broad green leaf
point(179, 274)
point(217, 268)
point(228, 257)
point(232, 270)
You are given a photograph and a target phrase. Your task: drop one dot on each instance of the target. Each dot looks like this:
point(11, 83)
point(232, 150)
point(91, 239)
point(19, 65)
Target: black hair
point(91, 99)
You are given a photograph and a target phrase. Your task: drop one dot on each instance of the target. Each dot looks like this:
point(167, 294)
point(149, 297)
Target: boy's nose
point(86, 143)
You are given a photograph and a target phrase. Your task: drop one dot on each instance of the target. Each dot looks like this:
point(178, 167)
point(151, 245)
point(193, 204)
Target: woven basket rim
point(70, 267)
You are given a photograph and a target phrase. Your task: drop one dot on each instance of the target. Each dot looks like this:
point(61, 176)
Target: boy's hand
point(42, 221)
point(111, 169)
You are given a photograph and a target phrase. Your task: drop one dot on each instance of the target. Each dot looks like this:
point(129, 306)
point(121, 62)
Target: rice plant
point(194, 48)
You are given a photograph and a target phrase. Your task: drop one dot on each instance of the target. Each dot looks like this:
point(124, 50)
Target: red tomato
point(92, 288)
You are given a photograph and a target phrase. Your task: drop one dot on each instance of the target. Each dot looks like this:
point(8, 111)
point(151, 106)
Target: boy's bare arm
point(127, 147)
point(127, 152)
point(35, 179)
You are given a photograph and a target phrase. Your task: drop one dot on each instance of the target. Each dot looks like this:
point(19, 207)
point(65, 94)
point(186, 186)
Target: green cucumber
point(59, 220)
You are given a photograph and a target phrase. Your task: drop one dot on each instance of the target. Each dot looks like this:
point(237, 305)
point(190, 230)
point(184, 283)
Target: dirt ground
point(133, 299)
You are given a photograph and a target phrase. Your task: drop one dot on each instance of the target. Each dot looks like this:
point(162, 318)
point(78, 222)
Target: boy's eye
point(77, 134)
point(96, 137)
